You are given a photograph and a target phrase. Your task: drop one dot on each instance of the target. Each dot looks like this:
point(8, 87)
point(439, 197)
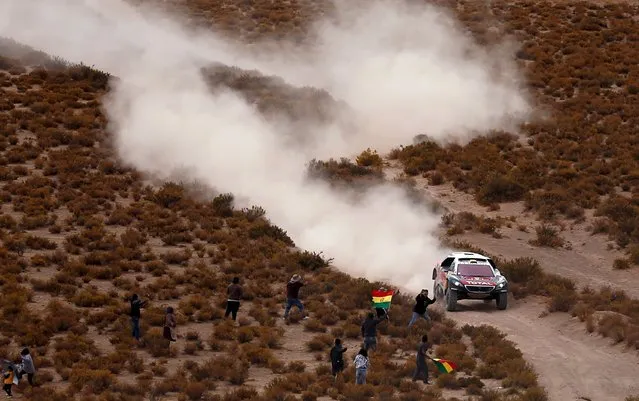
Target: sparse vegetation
point(80, 232)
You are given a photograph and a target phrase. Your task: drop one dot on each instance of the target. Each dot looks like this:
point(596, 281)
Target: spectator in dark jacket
point(136, 304)
point(234, 293)
point(420, 309)
point(293, 295)
point(337, 357)
point(369, 331)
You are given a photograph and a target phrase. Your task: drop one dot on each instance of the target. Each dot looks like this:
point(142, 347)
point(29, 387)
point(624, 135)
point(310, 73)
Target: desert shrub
point(621, 264)
point(169, 194)
point(319, 342)
point(501, 359)
point(157, 345)
point(547, 236)
point(312, 260)
point(500, 189)
point(97, 381)
point(223, 205)
point(343, 170)
point(369, 158)
point(266, 229)
point(90, 298)
point(177, 258)
point(314, 325)
point(534, 394)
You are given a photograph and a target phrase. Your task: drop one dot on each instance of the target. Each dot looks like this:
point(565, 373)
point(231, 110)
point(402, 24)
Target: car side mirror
point(497, 272)
point(434, 273)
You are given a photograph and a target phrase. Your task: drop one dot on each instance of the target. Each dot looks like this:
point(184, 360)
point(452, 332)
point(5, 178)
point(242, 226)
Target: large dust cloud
point(404, 70)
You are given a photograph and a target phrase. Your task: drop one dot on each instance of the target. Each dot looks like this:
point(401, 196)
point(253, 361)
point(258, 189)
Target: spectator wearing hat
point(292, 295)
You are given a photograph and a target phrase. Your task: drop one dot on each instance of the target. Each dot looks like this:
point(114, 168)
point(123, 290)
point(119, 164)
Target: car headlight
point(501, 285)
point(456, 283)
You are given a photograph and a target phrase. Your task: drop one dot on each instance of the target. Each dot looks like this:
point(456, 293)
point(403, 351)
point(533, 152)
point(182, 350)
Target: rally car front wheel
point(502, 300)
point(451, 300)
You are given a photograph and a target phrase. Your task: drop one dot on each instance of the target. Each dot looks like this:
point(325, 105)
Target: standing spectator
point(420, 309)
point(421, 370)
point(362, 364)
point(292, 295)
point(7, 380)
point(136, 304)
point(369, 331)
point(28, 367)
point(170, 323)
point(337, 357)
point(234, 293)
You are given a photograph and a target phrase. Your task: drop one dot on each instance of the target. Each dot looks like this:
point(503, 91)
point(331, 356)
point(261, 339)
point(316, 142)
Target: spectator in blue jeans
point(421, 307)
point(369, 331)
point(362, 363)
point(136, 304)
point(292, 295)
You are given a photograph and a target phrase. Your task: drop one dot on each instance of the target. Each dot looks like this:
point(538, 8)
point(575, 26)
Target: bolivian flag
point(444, 365)
point(382, 299)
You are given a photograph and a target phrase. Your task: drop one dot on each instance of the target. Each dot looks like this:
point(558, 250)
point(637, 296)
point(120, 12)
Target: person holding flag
point(421, 369)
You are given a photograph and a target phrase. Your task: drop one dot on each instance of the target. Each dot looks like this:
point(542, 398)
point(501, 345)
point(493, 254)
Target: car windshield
point(474, 270)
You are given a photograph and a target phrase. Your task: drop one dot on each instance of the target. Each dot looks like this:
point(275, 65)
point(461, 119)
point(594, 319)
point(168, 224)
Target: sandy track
point(588, 263)
point(572, 364)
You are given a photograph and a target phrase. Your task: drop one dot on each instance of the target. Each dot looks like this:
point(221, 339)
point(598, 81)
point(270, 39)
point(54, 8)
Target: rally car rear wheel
point(451, 300)
point(502, 300)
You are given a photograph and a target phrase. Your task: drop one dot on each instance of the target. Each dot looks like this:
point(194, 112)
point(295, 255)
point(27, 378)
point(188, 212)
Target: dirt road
point(587, 263)
point(572, 364)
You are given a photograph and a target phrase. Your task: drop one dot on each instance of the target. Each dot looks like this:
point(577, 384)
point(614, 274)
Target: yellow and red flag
point(382, 299)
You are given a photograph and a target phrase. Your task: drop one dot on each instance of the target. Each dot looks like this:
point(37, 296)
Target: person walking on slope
point(292, 295)
point(369, 331)
point(420, 309)
point(362, 363)
point(136, 304)
point(421, 369)
point(28, 367)
point(170, 323)
point(234, 292)
point(337, 357)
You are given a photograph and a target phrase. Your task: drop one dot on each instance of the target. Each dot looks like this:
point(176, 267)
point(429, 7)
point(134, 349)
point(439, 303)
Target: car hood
point(471, 280)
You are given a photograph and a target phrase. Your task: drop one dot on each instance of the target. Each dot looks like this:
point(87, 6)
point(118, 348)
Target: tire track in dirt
point(572, 364)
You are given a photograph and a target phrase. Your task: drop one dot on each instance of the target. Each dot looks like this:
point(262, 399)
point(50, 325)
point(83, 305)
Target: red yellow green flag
point(382, 299)
point(444, 365)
